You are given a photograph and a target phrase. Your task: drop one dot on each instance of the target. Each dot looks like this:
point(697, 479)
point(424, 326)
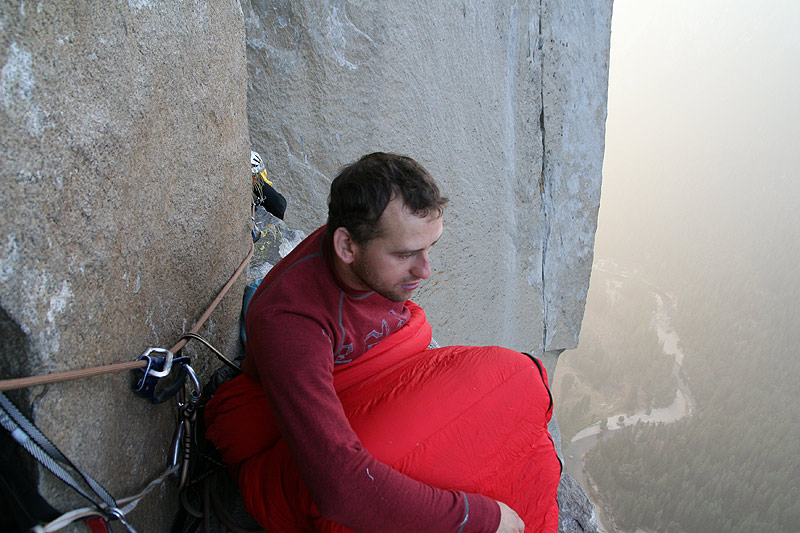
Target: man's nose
point(422, 266)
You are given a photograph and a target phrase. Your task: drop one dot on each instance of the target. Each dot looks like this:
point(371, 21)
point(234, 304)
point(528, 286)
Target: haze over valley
point(697, 245)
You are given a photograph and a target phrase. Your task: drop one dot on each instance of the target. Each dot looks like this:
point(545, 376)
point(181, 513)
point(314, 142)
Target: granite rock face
point(126, 197)
point(504, 103)
point(124, 210)
point(275, 241)
point(576, 512)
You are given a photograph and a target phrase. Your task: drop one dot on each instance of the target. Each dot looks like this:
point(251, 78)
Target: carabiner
point(165, 370)
point(197, 392)
point(176, 443)
point(150, 386)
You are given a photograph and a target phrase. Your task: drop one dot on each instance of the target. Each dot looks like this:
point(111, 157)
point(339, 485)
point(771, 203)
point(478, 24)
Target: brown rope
point(31, 381)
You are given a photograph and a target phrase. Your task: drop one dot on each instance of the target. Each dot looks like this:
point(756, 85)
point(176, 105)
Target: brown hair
point(361, 191)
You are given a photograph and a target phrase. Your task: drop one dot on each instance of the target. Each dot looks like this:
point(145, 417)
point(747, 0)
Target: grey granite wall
point(504, 102)
point(124, 150)
point(124, 210)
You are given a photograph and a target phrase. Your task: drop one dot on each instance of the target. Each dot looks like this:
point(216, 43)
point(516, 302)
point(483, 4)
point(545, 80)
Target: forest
point(619, 365)
point(734, 465)
point(699, 200)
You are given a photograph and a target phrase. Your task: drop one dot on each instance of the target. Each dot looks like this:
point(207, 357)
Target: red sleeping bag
point(461, 418)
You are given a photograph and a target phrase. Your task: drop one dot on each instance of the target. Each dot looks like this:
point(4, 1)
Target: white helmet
point(256, 163)
point(258, 170)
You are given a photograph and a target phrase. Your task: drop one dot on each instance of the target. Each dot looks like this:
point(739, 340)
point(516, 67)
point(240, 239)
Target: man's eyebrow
point(401, 252)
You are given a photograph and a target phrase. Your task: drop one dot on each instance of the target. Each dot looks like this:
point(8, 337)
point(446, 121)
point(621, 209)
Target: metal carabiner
point(166, 369)
point(197, 392)
point(117, 513)
point(176, 443)
point(182, 446)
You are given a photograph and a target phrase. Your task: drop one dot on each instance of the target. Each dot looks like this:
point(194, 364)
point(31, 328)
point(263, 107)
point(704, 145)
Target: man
point(341, 292)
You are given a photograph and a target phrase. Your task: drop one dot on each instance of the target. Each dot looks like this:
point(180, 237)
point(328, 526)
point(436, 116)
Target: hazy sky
point(703, 131)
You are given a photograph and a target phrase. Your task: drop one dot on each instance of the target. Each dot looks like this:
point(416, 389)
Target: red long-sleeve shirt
point(301, 322)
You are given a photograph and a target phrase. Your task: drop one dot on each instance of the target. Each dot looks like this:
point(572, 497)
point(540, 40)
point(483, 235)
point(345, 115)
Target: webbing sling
point(44, 451)
point(25, 506)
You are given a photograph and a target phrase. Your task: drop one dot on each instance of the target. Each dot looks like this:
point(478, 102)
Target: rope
point(86, 512)
point(19, 383)
point(44, 451)
point(220, 355)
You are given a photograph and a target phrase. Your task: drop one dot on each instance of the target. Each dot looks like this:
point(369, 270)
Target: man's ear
point(343, 245)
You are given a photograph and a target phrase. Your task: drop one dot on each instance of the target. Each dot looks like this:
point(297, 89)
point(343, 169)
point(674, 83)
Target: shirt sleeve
point(348, 485)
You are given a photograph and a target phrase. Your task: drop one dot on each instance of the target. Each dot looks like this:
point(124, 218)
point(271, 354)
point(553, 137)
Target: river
point(682, 406)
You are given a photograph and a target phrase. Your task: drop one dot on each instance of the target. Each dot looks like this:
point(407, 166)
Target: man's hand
point(510, 522)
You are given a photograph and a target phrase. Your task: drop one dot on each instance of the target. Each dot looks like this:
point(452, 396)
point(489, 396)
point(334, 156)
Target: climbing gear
point(150, 371)
point(89, 514)
point(32, 381)
point(186, 450)
point(18, 383)
point(258, 169)
point(154, 365)
point(157, 368)
point(204, 485)
point(264, 193)
point(216, 352)
point(147, 385)
point(184, 436)
point(192, 457)
point(37, 445)
point(255, 231)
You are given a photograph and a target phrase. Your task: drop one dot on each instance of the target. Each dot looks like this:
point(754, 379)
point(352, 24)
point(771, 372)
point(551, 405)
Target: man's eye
point(405, 256)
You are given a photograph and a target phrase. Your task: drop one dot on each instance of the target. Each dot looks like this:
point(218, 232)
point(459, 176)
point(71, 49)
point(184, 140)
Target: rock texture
point(124, 155)
point(275, 241)
point(575, 511)
point(503, 102)
point(124, 210)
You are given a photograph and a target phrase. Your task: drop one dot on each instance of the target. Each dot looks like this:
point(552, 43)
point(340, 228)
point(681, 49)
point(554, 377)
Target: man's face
point(394, 264)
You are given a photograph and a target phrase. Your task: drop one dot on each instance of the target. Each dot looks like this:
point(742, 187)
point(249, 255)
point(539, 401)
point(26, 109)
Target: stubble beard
point(368, 277)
